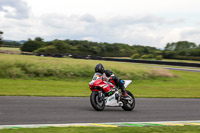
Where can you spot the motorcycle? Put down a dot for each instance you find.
(107, 94)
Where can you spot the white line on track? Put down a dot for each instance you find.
(111, 124)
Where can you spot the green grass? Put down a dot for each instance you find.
(185, 86)
(14, 50)
(164, 129)
(29, 67)
(10, 49)
(18, 87)
(22, 75)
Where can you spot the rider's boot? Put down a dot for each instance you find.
(124, 93)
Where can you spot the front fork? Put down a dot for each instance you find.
(101, 96)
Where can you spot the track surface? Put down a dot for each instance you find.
(46, 110)
(181, 69)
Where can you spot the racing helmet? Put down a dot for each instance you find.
(99, 68)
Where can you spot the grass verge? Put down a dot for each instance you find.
(164, 129)
(22, 75)
(185, 86)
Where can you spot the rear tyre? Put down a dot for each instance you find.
(129, 105)
(97, 101)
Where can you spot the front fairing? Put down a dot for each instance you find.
(98, 83)
(97, 79)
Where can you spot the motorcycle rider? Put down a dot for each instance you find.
(99, 68)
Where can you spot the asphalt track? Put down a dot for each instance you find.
(180, 69)
(52, 110)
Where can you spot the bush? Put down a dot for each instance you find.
(145, 56)
(135, 56)
(159, 57)
(150, 56)
(49, 49)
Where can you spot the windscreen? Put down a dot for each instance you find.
(97, 76)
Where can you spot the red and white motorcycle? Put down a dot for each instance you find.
(107, 94)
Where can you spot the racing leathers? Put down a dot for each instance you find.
(110, 77)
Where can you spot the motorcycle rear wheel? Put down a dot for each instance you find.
(98, 103)
(129, 105)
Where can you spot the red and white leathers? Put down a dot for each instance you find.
(116, 81)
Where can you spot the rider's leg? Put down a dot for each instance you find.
(120, 84)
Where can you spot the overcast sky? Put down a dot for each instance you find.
(144, 22)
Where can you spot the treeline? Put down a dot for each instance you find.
(11, 44)
(83, 47)
(182, 50)
(175, 50)
(1, 42)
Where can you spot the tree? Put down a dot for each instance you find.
(181, 50)
(84, 47)
(169, 54)
(61, 46)
(1, 42)
(39, 39)
(30, 46)
(181, 45)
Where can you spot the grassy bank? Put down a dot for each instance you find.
(165, 129)
(32, 67)
(45, 76)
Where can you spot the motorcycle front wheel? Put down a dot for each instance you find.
(97, 100)
(129, 105)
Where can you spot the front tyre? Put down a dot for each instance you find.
(129, 105)
(97, 100)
